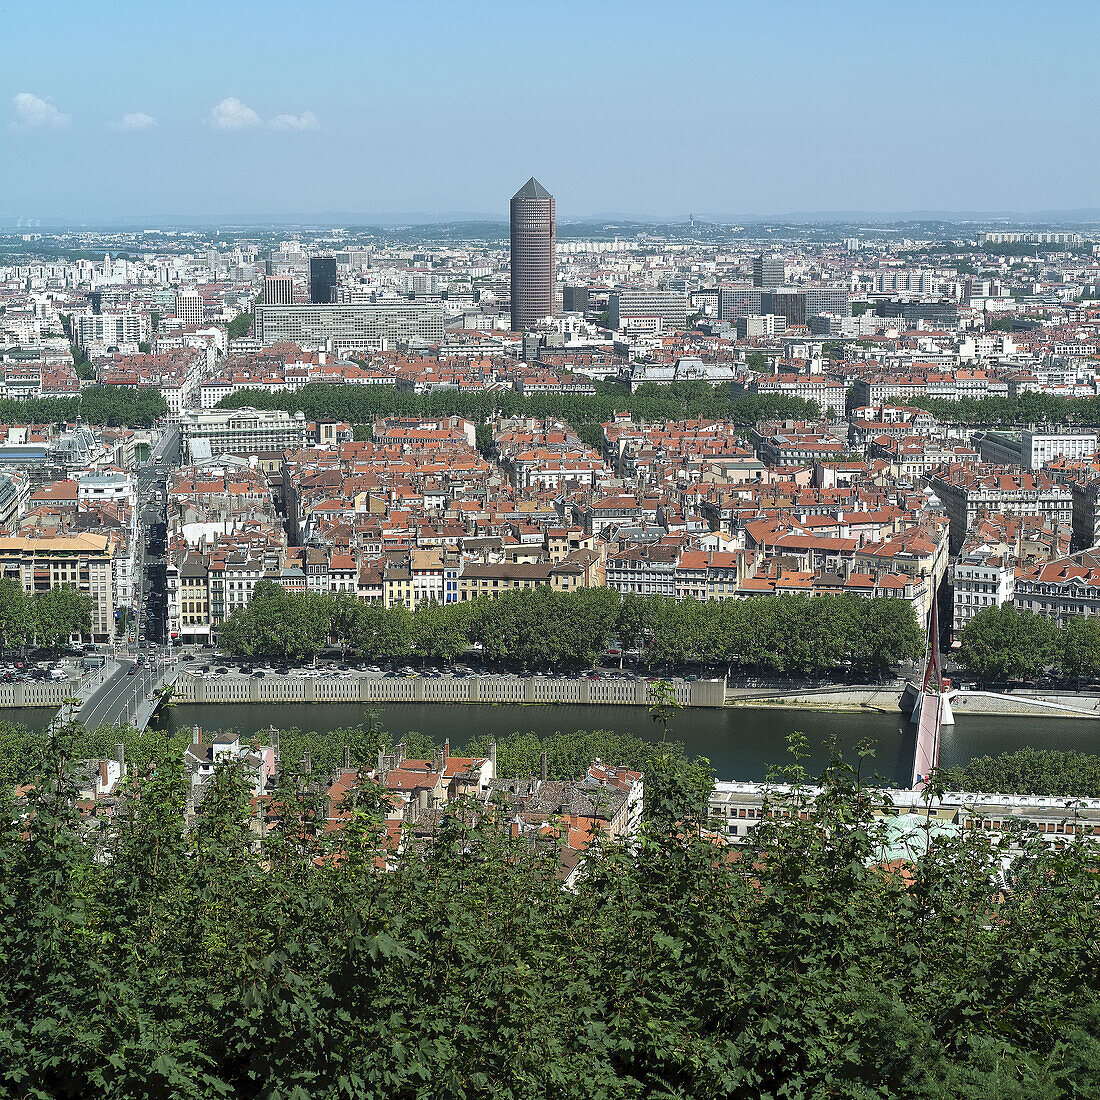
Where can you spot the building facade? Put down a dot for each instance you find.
(768, 271)
(243, 431)
(190, 307)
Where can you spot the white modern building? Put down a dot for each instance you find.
(244, 431)
(189, 307)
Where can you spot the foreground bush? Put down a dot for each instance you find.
(143, 962)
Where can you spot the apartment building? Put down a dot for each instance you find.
(627, 306)
(739, 807)
(829, 394)
(494, 578)
(970, 491)
(1061, 589)
(982, 579)
(1033, 450)
(83, 561)
(100, 331)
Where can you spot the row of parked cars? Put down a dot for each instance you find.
(26, 672)
(221, 665)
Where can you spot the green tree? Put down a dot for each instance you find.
(1079, 649)
(241, 325)
(1029, 771)
(1004, 643)
(440, 632)
(17, 621)
(59, 613)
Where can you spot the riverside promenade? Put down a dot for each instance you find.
(887, 698)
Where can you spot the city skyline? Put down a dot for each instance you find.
(726, 111)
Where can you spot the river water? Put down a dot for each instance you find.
(740, 742)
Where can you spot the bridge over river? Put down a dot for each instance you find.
(128, 695)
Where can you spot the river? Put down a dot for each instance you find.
(740, 742)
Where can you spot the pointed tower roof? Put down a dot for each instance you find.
(532, 189)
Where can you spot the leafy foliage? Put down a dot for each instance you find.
(651, 401)
(143, 961)
(539, 627)
(1007, 643)
(47, 618)
(113, 406)
(1030, 771)
(1027, 408)
(241, 325)
(568, 754)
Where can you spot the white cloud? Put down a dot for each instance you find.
(135, 120)
(307, 120)
(34, 113)
(232, 114)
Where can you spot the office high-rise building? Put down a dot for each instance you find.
(768, 271)
(785, 302)
(827, 299)
(278, 290)
(738, 301)
(370, 325)
(631, 306)
(533, 255)
(574, 299)
(322, 279)
(189, 307)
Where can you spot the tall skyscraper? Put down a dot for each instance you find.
(533, 255)
(322, 279)
(768, 271)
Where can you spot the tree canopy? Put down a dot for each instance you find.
(1006, 643)
(1030, 771)
(1027, 408)
(241, 325)
(113, 406)
(45, 618)
(539, 627)
(140, 960)
(651, 401)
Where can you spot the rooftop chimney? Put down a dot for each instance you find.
(493, 757)
(120, 755)
(543, 767)
(196, 736)
(307, 764)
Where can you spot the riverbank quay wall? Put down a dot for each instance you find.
(52, 694)
(514, 690)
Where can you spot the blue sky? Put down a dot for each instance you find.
(726, 109)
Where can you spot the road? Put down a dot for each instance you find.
(118, 700)
(150, 597)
